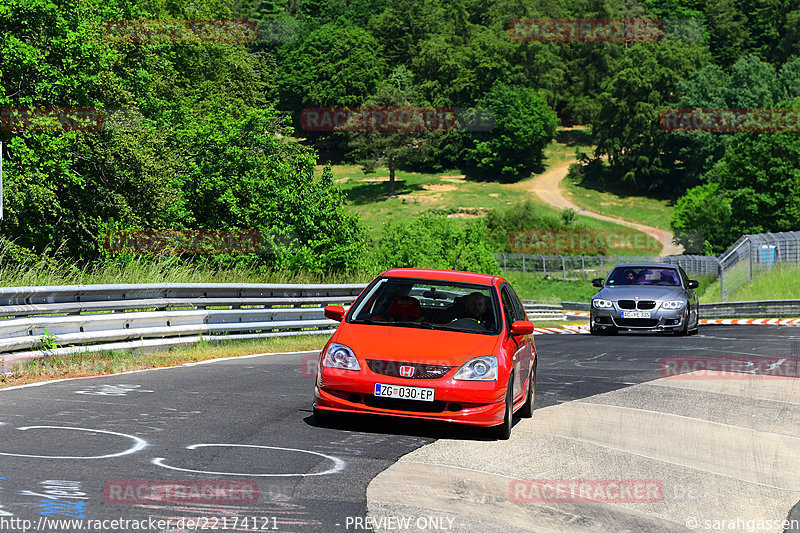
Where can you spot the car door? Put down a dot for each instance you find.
(529, 348)
(694, 301)
(518, 345)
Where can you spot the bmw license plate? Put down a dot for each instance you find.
(636, 314)
(403, 392)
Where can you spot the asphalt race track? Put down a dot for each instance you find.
(75, 449)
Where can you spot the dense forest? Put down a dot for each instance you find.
(219, 142)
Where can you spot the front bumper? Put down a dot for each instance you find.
(659, 320)
(465, 402)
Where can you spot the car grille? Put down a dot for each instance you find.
(644, 305)
(421, 371)
(404, 405)
(637, 322)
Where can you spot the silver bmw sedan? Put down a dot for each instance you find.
(645, 296)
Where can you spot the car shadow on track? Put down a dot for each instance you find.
(401, 426)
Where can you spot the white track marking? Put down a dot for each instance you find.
(139, 444)
(338, 464)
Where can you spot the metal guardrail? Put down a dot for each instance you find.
(543, 311)
(157, 316)
(58, 320)
(754, 309)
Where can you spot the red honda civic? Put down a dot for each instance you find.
(433, 345)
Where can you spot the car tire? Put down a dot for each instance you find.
(684, 331)
(610, 331)
(526, 411)
(503, 431)
(594, 331)
(696, 327)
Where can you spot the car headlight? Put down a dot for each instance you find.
(340, 356)
(479, 369)
(600, 303)
(672, 304)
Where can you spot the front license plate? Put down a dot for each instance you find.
(403, 392)
(636, 314)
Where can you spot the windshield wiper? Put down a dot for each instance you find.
(425, 325)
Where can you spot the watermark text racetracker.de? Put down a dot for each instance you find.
(61, 119)
(576, 242)
(588, 30)
(586, 491)
(730, 120)
(388, 119)
(693, 368)
(218, 492)
(193, 242)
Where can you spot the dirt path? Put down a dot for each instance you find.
(547, 186)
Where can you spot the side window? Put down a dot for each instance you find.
(508, 307)
(520, 308)
(684, 277)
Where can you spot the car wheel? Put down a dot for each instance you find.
(610, 331)
(594, 331)
(696, 327)
(526, 411)
(503, 431)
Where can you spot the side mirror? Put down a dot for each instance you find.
(692, 284)
(334, 312)
(521, 327)
(597, 282)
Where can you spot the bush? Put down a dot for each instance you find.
(522, 216)
(524, 124)
(435, 241)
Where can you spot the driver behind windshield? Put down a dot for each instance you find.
(475, 306)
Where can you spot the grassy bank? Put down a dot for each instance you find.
(620, 204)
(163, 269)
(536, 287)
(453, 194)
(782, 282)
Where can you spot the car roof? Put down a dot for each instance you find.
(442, 275)
(639, 265)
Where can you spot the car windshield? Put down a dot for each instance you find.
(428, 304)
(644, 276)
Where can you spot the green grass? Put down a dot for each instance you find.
(607, 200)
(620, 204)
(112, 362)
(451, 193)
(536, 287)
(162, 269)
(780, 283)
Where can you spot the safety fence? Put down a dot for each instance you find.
(747, 257)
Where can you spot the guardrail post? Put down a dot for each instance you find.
(504, 262)
(583, 268)
(563, 268)
(523, 263)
